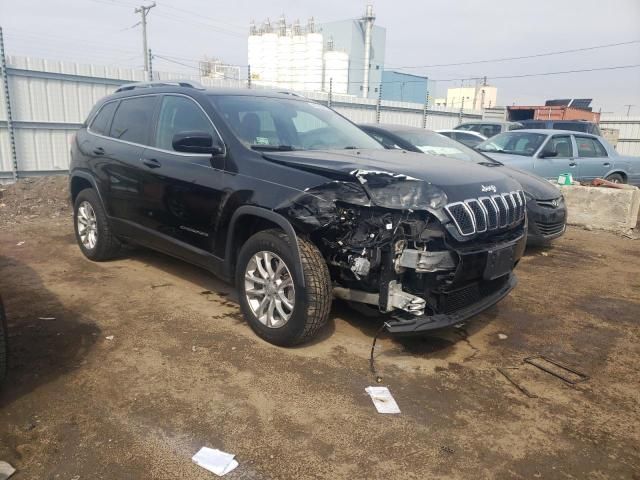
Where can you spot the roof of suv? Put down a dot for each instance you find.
(175, 87)
(551, 131)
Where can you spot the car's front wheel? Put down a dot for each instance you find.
(93, 234)
(276, 305)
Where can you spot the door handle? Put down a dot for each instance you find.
(98, 151)
(150, 162)
(606, 164)
(572, 162)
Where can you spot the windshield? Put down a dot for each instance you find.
(516, 143)
(268, 123)
(437, 144)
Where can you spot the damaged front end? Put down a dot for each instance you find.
(392, 241)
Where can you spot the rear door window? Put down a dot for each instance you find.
(133, 119)
(560, 144)
(102, 120)
(590, 147)
(180, 114)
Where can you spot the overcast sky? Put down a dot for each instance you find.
(419, 32)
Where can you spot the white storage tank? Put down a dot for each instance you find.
(313, 62)
(255, 56)
(336, 67)
(269, 70)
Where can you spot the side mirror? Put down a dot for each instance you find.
(549, 154)
(195, 142)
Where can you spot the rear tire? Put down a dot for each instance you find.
(4, 348)
(615, 178)
(276, 306)
(93, 234)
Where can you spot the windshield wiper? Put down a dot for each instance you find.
(273, 148)
(490, 164)
(350, 147)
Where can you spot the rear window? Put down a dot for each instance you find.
(133, 119)
(590, 147)
(102, 120)
(486, 129)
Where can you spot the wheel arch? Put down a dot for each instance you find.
(263, 219)
(617, 171)
(79, 181)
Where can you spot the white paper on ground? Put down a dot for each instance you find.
(6, 470)
(215, 460)
(382, 399)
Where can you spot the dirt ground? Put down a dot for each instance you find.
(124, 369)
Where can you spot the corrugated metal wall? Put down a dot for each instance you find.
(629, 128)
(50, 99)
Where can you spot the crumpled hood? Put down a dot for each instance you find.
(537, 187)
(459, 179)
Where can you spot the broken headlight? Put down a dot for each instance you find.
(401, 191)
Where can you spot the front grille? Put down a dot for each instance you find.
(550, 228)
(555, 203)
(451, 302)
(487, 213)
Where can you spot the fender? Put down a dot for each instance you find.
(273, 217)
(91, 179)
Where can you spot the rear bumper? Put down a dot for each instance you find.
(427, 323)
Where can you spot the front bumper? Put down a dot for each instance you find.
(545, 223)
(427, 323)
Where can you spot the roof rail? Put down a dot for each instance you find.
(293, 94)
(160, 83)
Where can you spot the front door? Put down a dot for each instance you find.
(593, 158)
(556, 157)
(184, 192)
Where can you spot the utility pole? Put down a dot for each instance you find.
(150, 66)
(629, 107)
(329, 100)
(144, 11)
(425, 111)
(249, 77)
(379, 104)
(7, 104)
(461, 110)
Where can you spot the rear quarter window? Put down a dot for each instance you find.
(102, 120)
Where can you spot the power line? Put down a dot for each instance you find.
(536, 55)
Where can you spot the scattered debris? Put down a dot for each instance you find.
(19, 244)
(160, 285)
(446, 449)
(46, 318)
(215, 461)
(372, 366)
(588, 227)
(502, 336)
(601, 182)
(544, 254)
(547, 365)
(516, 384)
(383, 400)
(193, 348)
(109, 337)
(6, 470)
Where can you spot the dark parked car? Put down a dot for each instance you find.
(573, 125)
(296, 204)
(548, 153)
(488, 128)
(546, 209)
(3, 342)
(467, 137)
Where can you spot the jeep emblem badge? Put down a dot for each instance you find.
(489, 188)
(554, 203)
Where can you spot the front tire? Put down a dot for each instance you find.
(93, 234)
(276, 306)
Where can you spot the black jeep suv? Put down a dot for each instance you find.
(296, 204)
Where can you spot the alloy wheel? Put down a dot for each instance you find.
(269, 289)
(87, 225)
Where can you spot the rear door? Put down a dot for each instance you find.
(593, 159)
(182, 191)
(563, 162)
(129, 134)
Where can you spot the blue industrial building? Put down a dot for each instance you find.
(404, 87)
